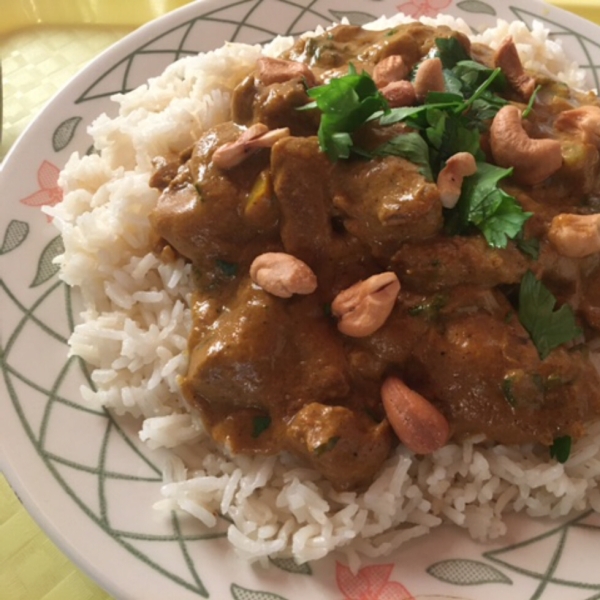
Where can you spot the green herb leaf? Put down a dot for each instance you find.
(531, 102)
(547, 327)
(228, 269)
(529, 247)
(410, 146)
(561, 448)
(346, 103)
(260, 424)
(494, 212)
(327, 446)
(450, 51)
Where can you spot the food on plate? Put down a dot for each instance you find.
(356, 275)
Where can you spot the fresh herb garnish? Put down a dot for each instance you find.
(346, 103)
(410, 146)
(450, 51)
(328, 446)
(484, 204)
(531, 102)
(446, 124)
(260, 424)
(228, 269)
(530, 247)
(547, 327)
(561, 448)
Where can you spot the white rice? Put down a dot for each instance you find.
(134, 331)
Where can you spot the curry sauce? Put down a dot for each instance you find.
(270, 374)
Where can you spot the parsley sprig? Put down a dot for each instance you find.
(487, 206)
(447, 123)
(345, 103)
(547, 327)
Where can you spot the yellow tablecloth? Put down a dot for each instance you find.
(31, 566)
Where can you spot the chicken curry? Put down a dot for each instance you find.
(419, 268)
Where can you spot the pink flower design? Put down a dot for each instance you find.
(370, 583)
(49, 193)
(423, 8)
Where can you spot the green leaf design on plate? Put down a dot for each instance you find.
(354, 16)
(291, 566)
(476, 6)
(240, 593)
(64, 133)
(466, 572)
(46, 268)
(14, 236)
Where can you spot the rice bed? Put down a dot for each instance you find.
(134, 331)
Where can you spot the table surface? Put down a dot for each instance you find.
(36, 61)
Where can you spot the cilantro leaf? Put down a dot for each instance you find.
(472, 74)
(494, 212)
(415, 116)
(450, 51)
(547, 327)
(530, 247)
(561, 448)
(260, 424)
(410, 146)
(346, 103)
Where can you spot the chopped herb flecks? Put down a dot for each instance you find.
(260, 424)
(328, 446)
(561, 448)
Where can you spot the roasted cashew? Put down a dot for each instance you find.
(507, 58)
(282, 274)
(364, 307)
(419, 425)
(584, 120)
(276, 70)
(450, 178)
(255, 137)
(391, 68)
(575, 236)
(429, 78)
(399, 93)
(533, 160)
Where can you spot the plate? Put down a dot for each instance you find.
(82, 473)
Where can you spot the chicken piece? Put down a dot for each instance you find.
(276, 105)
(268, 353)
(300, 174)
(201, 212)
(384, 202)
(485, 375)
(444, 262)
(328, 437)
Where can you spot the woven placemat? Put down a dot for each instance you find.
(31, 566)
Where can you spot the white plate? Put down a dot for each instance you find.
(82, 474)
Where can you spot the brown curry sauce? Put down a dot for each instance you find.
(269, 374)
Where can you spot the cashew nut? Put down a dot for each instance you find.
(282, 274)
(533, 160)
(584, 120)
(257, 136)
(364, 307)
(419, 425)
(507, 58)
(399, 93)
(450, 178)
(429, 78)
(392, 68)
(575, 236)
(276, 70)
